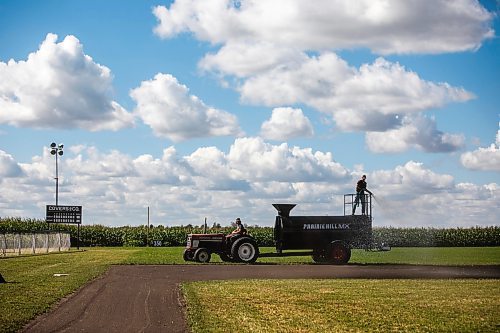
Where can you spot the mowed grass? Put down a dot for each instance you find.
(430, 256)
(344, 306)
(32, 288)
(413, 256)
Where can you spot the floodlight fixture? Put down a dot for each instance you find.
(57, 150)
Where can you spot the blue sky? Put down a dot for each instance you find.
(221, 108)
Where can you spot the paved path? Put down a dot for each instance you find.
(146, 298)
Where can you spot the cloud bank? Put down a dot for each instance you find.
(295, 44)
(115, 188)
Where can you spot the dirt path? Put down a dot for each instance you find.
(146, 298)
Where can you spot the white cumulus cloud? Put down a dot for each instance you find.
(242, 59)
(167, 107)
(101, 165)
(414, 195)
(286, 123)
(486, 159)
(256, 160)
(409, 181)
(212, 170)
(8, 166)
(418, 132)
(373, 97)
(384, 26)
(59, 86)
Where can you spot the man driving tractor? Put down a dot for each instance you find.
(240, 229)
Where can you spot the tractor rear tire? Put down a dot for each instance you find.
(202, 255)
(245, 250)
(224, 257)
(339, 253)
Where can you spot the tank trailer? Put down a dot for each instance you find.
(329, 239)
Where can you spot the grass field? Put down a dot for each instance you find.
(412, 256)
(32, 288)
(344, 306)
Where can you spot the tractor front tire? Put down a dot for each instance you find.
(188, 255)
(245, 250)
(202, 255)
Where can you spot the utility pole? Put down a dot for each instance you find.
(147, 231)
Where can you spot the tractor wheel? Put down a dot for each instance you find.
(245, 250)
(202, 255)
(320, 256)
(339, 253)
(188, 255)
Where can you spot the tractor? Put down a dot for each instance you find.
(230, 248)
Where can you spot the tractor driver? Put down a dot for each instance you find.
(240, 229)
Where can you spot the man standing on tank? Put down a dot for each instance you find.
(360, 195)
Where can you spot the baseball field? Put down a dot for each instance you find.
(406, 289)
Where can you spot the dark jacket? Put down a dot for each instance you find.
(361, 185)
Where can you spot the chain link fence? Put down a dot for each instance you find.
(18, 244)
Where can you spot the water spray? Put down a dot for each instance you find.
(387, 208)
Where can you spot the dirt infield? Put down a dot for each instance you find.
(146, 298)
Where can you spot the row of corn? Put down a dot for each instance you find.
(98, 235)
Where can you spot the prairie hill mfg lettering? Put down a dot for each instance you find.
(326, 226)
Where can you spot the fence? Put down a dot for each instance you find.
(17, 244)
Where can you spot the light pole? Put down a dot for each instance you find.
(57, 150)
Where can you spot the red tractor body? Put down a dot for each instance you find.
(233, 248)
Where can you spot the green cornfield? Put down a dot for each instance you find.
(98, 235)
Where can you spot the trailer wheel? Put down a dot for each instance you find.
(202, 255)
(245, 250)
(339, 253)
(320, 256)
(188, 255)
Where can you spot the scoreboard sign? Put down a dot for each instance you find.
(63, 214)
